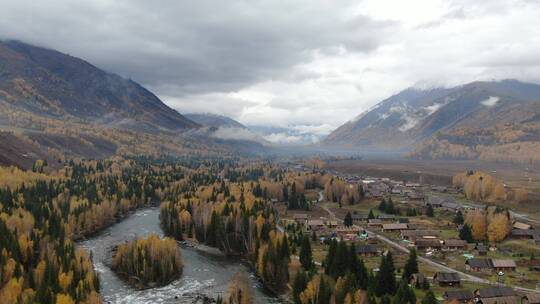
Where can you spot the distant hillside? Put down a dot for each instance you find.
(48, 83)
(15, 150)
(213, 120)
(481, 120)
(54, 106)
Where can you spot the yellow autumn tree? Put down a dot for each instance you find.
(11, 292)
(498, 228)
(360, 297)
(64, 279)
(310, 293)
(239, 291)
(478, 223)
(480, 186)
(64, 299)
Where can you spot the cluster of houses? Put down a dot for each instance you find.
(331, 228)
(382, 187)
(444, 203)
(428, 240)
(421, 239)
(491, 295)
(486, 265)
(488, 295)
(525, 231)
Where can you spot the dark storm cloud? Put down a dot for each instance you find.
(181, 47)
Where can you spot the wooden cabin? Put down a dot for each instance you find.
(447, 278)
(461, 296)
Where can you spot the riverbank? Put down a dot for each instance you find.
(207, 271)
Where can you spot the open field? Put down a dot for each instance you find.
(441, 172)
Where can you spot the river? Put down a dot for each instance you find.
(204, 272)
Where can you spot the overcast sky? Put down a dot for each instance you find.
(312, 64)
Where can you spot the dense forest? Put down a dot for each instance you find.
(235, 212)
(225, 209)
(344, 279)
(229, 204)
(42, 214)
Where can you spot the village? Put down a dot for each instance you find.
(397, 216)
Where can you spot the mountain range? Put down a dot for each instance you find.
(492, 120)
(52, 84)
(214, 120)
(53, 106)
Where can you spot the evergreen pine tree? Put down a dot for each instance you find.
(404, 294)
(323, 297)
(385, 299)
(458, 218)
(385, 278)
(389, 208)
(348, 220)
(330, 256)
(429, 298)
(358, 268)
(306, 256)
(466, 234)
(429, 211)
(411, 266)
(382, 205)
(299, 285)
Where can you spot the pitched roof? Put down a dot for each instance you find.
(525, 232)
(352, 228)
(359, 216)
(455, 243)
(315, 223)
(395, 226)
(446, 277)
(428, 243)
(459, 295)
(533, 298)
(386, 216)
(480, 247)
(451, 205)
(504, 263)
(501, 300)
(492, 292)
(419, 233)
(415, 195)
(439, 200)
(367, 249)
(519, 225)
(480, 263)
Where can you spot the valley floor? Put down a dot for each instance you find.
(440, 172)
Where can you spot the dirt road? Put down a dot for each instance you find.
(464, 276)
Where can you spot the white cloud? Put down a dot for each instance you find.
(433, 108)
(490, 102)
(236, 134)
(410, 122)
(309, 63)
(284, 138)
